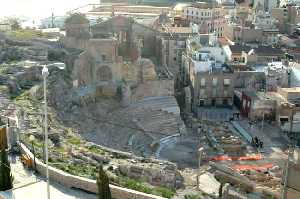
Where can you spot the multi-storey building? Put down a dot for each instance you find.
(210, 17)
(288, 17)
(268, 25)
(260, 28)
(211, 82)
(172, 42)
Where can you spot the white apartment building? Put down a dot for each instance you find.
(209, 16)
(210, 81)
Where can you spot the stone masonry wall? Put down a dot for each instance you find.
(84, 183)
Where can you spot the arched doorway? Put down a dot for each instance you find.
(104, 73)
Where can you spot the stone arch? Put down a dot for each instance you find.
(104, 73)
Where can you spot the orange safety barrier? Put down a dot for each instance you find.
(26, 160)
(242, 158)
(252, 167)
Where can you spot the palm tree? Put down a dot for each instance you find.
(6, 178)
(103, 185)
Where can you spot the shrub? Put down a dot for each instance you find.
(56, 55)
(191, 196)
(6, 179)
(103, 185)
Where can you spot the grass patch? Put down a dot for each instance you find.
(142, 187)
(95, 149)
(74, 141)
(4, 69)
(27, 34)
(86, 171)
(59, 150)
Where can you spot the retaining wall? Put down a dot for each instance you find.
(69, 180)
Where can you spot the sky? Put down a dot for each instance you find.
(38, 9)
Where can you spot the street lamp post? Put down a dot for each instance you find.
(200, 151)
(262, 122)
(290, 155)
(45, 74)
(32, 138)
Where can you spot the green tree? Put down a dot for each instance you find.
(103, 185)
(6, 178)
(14, 22)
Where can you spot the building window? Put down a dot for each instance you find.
(227, 82)
(215, 81)
(201, 102)
(214, 92)
(225, 102)
(226, 93)
(103, 57)
(213, 102)
(201, 93)
(174, 58)
(202, 82)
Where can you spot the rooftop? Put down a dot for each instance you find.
(177, 30)
(239, 48)
(260, 50)
(276, 96)
(223, 41)
(268, 50)
(181, 6)
(291, 90)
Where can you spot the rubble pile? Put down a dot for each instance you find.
(239, 168)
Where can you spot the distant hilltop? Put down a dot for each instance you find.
(148, 2)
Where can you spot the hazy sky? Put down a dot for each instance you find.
(38, 9)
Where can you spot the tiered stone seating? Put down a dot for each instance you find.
(153, 114)
(167, 103)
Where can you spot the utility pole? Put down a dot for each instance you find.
(262, 122)
(52, 20)
(200, 150)
(290, 155)
(45, 73)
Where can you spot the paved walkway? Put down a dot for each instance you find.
(29, 186)
(269, 134)
(38, 190)
(275, 143)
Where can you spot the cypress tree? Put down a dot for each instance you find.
(103, 185)
(6, 179)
